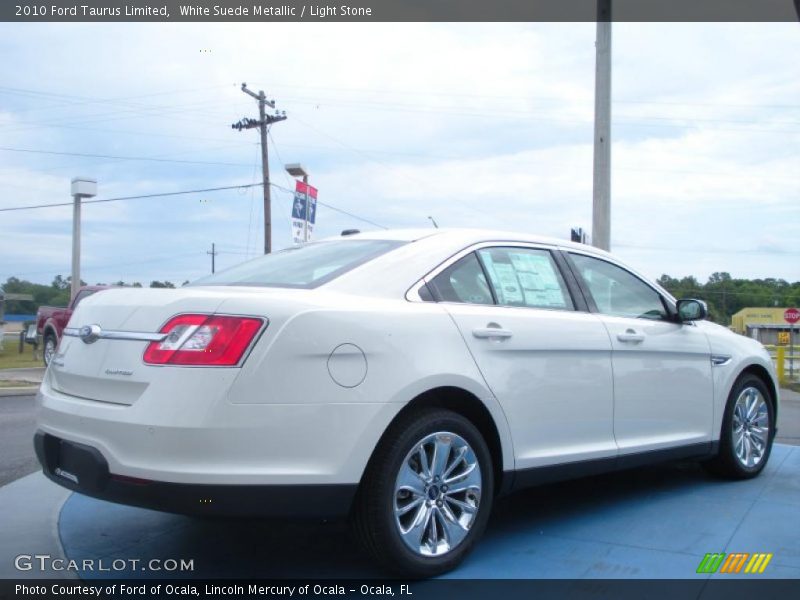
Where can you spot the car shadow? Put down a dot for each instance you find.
(267, 548)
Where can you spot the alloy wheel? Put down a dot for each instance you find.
(437, 494)
(751, 427)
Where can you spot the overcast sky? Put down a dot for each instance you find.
(476, 125)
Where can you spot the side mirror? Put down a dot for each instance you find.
(690, 309)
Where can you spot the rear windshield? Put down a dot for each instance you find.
(305, 266)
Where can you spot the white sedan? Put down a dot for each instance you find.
(403, 378)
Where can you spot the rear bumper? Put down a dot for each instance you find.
(83, 469)
(203, 439)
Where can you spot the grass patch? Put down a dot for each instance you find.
(13, 383)
(10, 358)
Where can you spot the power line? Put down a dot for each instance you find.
(159, 195)
(676, 122)
(333, 208)
(375, 161)
(174, 111)
(148, 109)
(186, 192)
(505, 112)
(73, 100)
(361, 151)
(427, 92)
(114, 157)
(144, 133)
(351, 215)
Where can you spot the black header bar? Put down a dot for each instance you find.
(397, 10)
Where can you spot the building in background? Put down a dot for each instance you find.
(762, 324)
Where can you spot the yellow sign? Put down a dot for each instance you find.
(783, 338)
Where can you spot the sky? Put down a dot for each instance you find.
(475, 125)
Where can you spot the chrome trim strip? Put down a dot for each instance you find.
(720, 360)
(132, 336)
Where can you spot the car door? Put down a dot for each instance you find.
(663, 391)
(547, 363)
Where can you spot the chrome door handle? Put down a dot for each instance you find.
(631, 335)
(491, 333)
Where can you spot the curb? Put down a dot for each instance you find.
(18, 391)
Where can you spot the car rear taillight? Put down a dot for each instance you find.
(204, 340)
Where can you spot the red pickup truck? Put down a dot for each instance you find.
(51, 320)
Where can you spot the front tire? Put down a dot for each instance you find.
(427, 494)
(748, 429)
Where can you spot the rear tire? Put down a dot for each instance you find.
(748, 429)
(426, 495)
(49, 345)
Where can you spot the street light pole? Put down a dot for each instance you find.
(76, 246)
(82, 187)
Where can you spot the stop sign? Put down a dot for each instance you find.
(791, 315)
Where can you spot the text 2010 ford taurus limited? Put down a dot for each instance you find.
(404, 378)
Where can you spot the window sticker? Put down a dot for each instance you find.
(525, 278)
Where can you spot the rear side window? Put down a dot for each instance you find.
(463, 281)
(306, 266)
(82, 295)
(526, 277)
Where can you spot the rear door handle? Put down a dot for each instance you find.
(631, 336)
(491, 332)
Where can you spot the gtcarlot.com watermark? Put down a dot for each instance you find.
(45, 562)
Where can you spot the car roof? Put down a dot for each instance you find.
(393, 273)
(466, 236)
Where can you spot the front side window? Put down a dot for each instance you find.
(305, 266)
(525, 277)
(463, 281)
(618, 292)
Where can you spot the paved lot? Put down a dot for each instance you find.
(789, 419)
(645, 523)
(16, 438)
(655, 522)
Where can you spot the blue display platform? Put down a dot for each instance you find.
(654, 523)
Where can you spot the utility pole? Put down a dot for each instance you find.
(601, 195)
(263, 122)
(213, 254)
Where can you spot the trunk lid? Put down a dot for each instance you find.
(113, 370)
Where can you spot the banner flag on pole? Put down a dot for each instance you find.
(304, 212)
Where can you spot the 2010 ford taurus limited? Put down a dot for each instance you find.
(404, 378)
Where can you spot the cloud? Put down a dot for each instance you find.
(475, 124)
